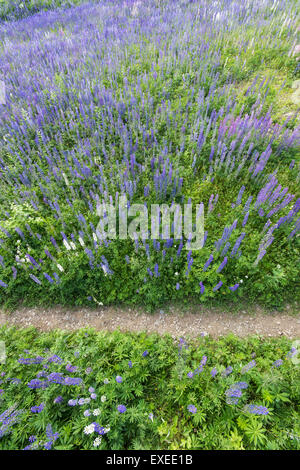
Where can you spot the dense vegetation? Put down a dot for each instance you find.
(86, 390)
(165, 101)
(11, 10)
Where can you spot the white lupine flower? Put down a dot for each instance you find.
(103, 398)
(96, 412)
(89, 429)
(64, 176)
(81, 241)
(95, 300)
(60, 267)
(97, 441)
(95, 237)
(106, 381)
(66, 244)
(107, 429)
(104, 269)
(73, 245)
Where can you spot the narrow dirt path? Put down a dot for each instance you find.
(192, 322)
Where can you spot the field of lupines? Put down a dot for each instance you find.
(161, 102)
(89, 390)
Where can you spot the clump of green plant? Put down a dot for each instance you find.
(89, 389)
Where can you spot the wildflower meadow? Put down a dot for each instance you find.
(97, 390)
(149, 154)
(161, 102)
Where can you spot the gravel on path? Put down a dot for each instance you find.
(177, 323)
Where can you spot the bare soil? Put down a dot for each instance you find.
(174, 321)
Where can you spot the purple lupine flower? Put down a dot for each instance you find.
(56, 377)
(210, 259)
(121, 408)
(234, 288)
(233, 392)
(35, 279)
(277, 363)
(38, 408)
(49, 278)
(248, 366)
(224, 262)
(119, 379)
(99, 429)
(217, 286)
(36, 383)
(192, 409)
(52, 436)
(198, 370)
(72, 402)
(232, 400)
(72, 381)
(241, 385)
(145, 353)
(227, 371)
(204, 360)
(293, 352)
(71, 368)
(56, 359)
(157, 274)
(58, 399)
(256, 409)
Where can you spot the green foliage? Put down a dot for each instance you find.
(155, 389)
(17, 9)
(237, 57)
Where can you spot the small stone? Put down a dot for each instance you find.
(296, 50)
(296, 84)
(295, 97)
